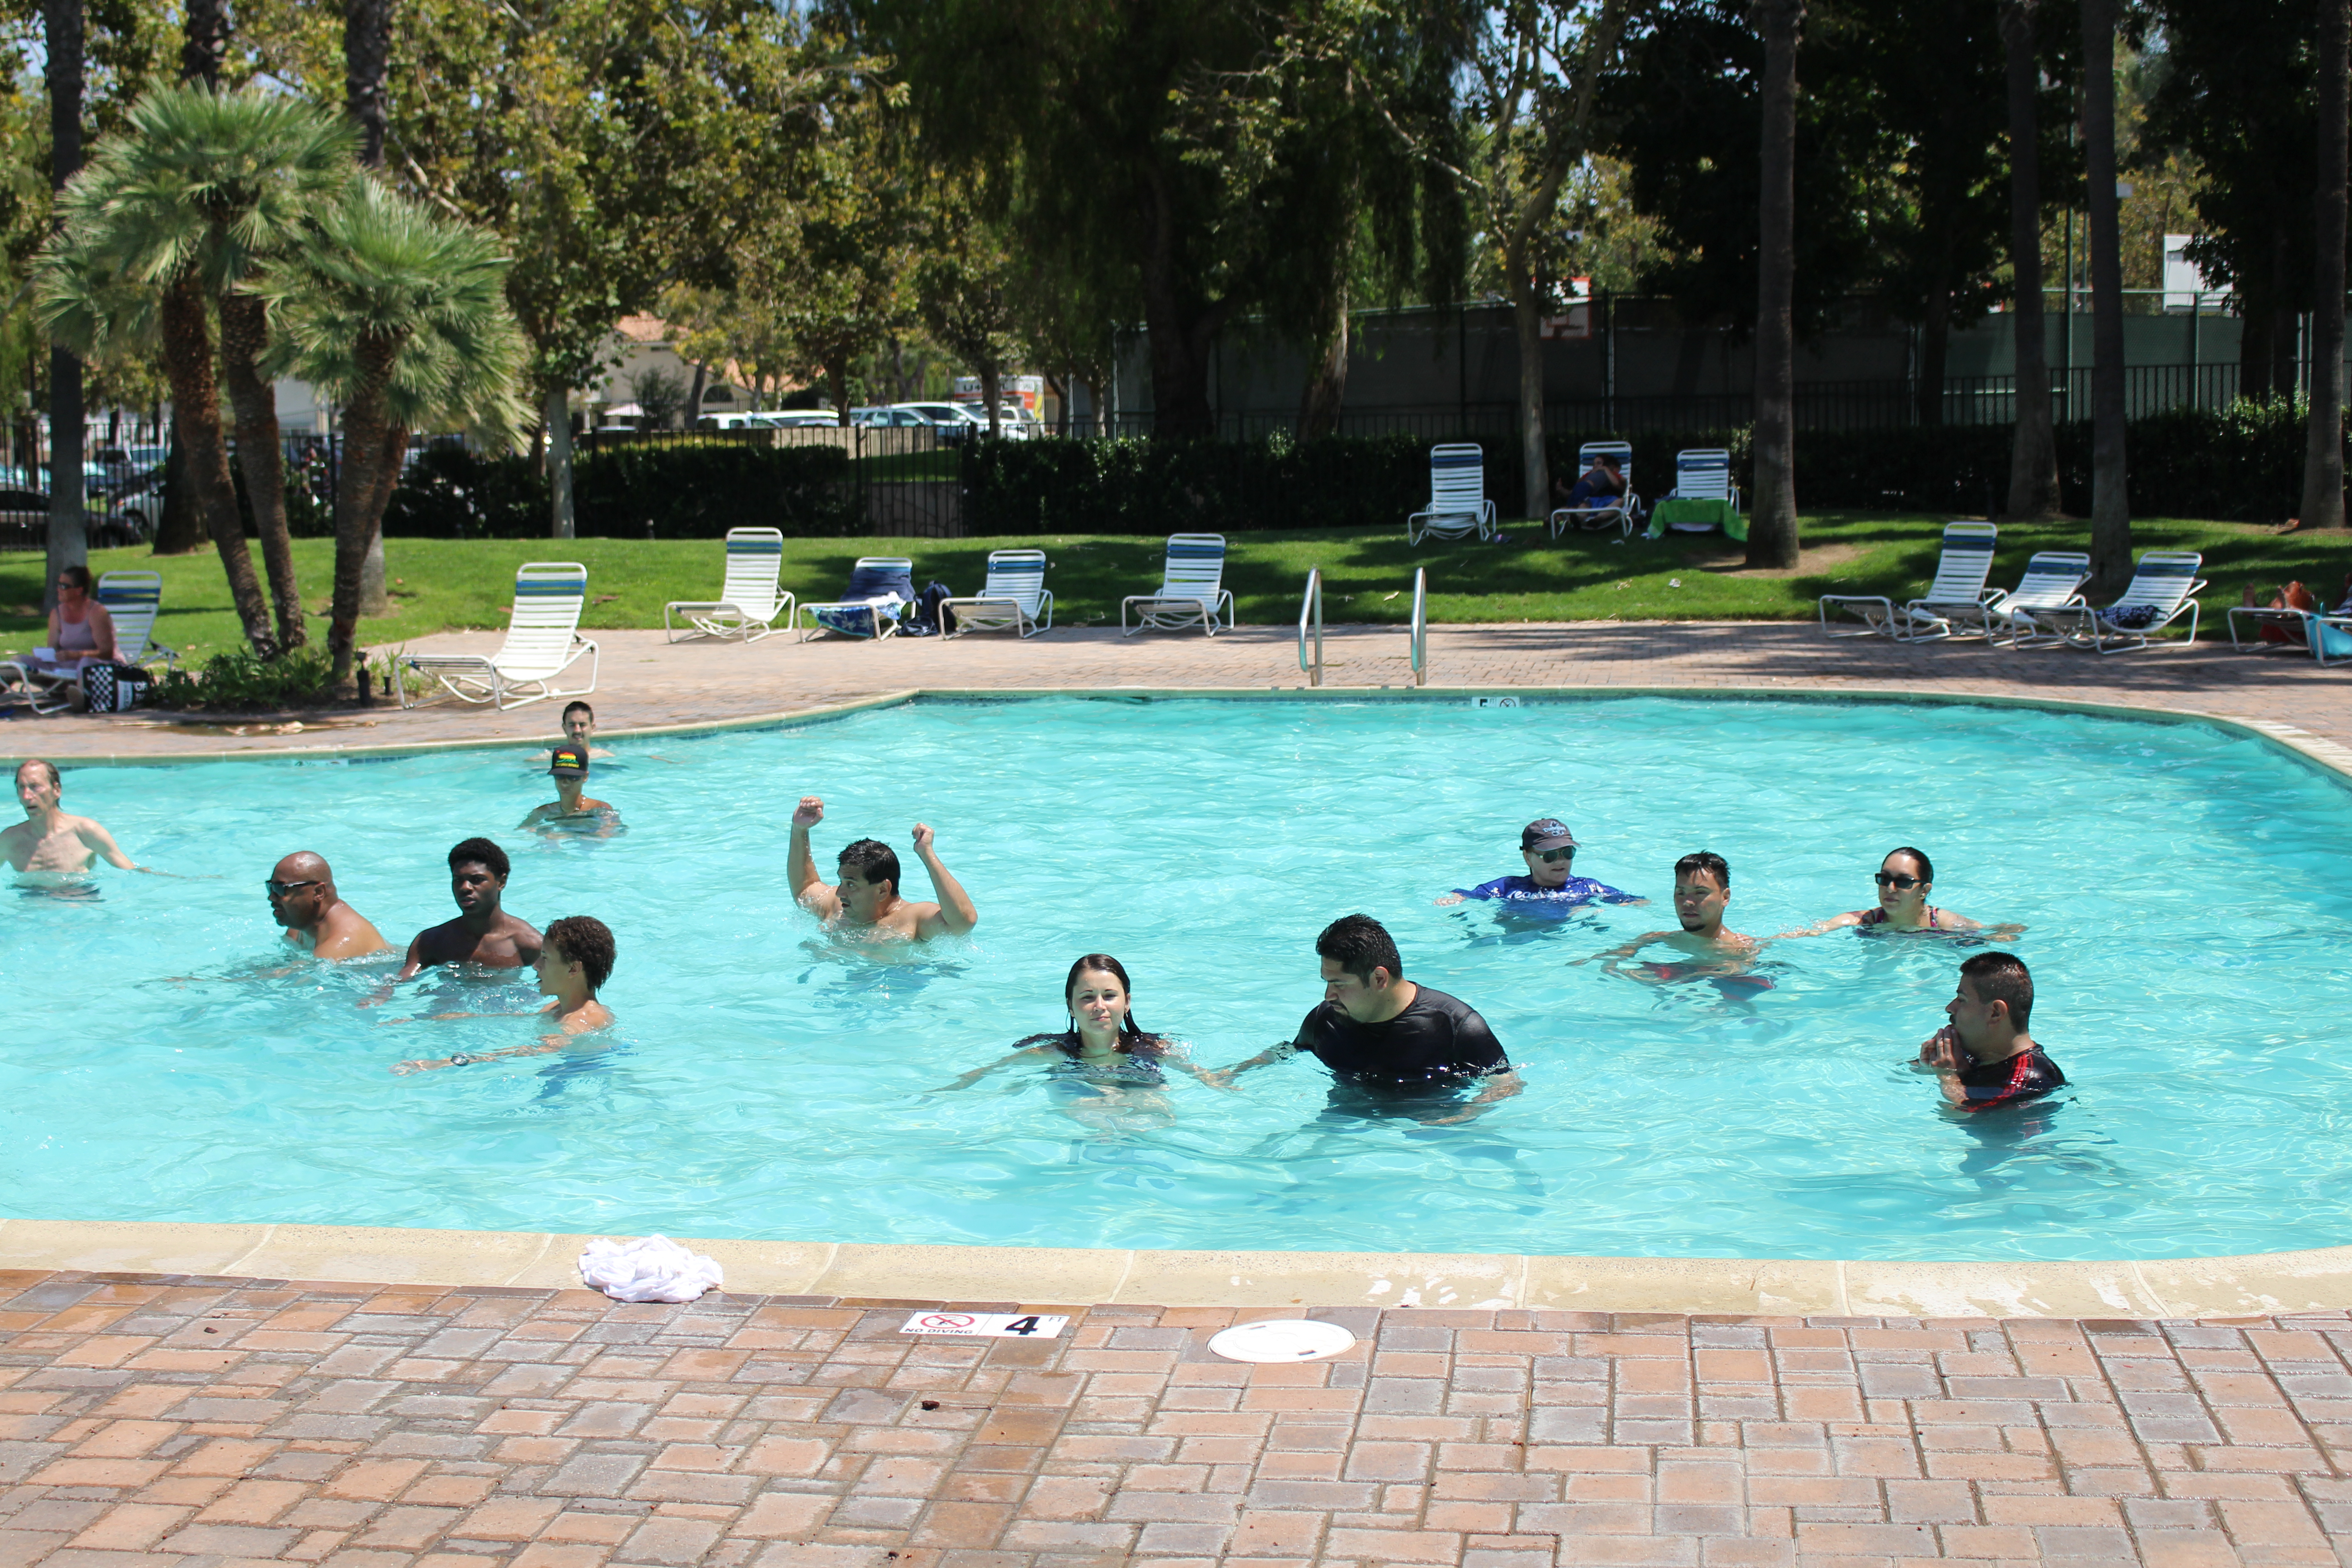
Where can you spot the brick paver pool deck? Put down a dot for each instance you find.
(159, 1420)
(201, 1422)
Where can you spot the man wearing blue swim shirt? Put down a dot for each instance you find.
(1550, 890)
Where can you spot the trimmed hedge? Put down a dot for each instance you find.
(2242, 464)
(665, 492)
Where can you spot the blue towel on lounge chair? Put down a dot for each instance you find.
(867, 582)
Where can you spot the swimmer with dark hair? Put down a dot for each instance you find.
(1702, 890)
(483, 933)
(1984, 1059)
(1904, 880)
(579, 730)
(866, 901)
(1104, 1055)
(575, 959)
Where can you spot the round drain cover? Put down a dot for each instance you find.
(1282, 1339)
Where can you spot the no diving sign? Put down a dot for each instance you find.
(987, 1325)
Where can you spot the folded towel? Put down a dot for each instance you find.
(654, 1270)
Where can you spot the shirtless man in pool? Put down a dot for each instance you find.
(303, 900)
(1702, 890)
(483, 933)
(51, 842)
(867, 903)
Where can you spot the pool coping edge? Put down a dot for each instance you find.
(2257, 1285)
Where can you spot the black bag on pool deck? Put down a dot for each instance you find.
(114, 688)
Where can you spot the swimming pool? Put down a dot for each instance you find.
(2182, 886)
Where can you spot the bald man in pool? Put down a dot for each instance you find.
(303, 900)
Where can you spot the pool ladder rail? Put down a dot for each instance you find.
(1310, 612)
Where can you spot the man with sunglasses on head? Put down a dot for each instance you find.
(303, 900)
(1550, 890)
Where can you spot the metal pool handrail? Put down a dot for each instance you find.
(1421, 626)
(1312, 605)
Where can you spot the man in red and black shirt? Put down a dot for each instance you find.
(1984, 1059)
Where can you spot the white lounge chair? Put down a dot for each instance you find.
(1014, 598)
(1192, 590)
(880, 589)
(1959, 588)
(543, 641)
(1457, 495)
(132, 600)
(748, 603)
(2160, 588)
(1618, 509)
(2054, 581)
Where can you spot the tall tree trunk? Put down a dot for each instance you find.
(204, 41)
(2033, 451)
(562, 524)
(694, 395)
(68, 526)
(836, 378)
(179, 527)
(1327, 382)
(1182, 330)
(2323, 458)
(367, 60)
(1772, 527)
(1098, 412)
(991, 384)
(375, 599)
(1935, 342)
(1527, 331)
(260, 452)
(196, 413)
(2111, 562)
(357, 486)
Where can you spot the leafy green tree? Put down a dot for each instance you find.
(1772, 538)
(400, 313)
(2111, 564)
(2237, 95)
(2034, 450)
(965, 294)
(64, 34)
(186, 209)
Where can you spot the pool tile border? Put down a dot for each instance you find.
(2257, 1284)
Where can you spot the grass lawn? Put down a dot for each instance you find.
(1368, 574)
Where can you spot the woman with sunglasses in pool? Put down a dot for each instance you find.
(1103, 1063)
(1904, 880)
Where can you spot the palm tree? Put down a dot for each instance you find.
(2111, 566)
(2033, 455)
(402, 313)
(2323, 462)
(196, 197)
(1773, 530)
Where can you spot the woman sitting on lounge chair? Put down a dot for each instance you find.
(80, 633)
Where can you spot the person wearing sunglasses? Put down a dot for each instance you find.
(303, 900)
(1904, 880)
(1550, 890)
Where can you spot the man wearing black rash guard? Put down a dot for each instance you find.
(1984, 1059)
(1389, 1040)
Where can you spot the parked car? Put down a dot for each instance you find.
(952, 421)
(887, 418)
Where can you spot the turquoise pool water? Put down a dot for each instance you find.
(2184, 889)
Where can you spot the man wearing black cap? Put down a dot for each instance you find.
(1549, 891)
(568, 766)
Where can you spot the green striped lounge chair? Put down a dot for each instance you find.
(1192, 590)
(1014, 598)
(1959, 590)
(543, 643)
(748, 603)
(2160, 593)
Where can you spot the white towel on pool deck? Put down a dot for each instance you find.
(654, 1270)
